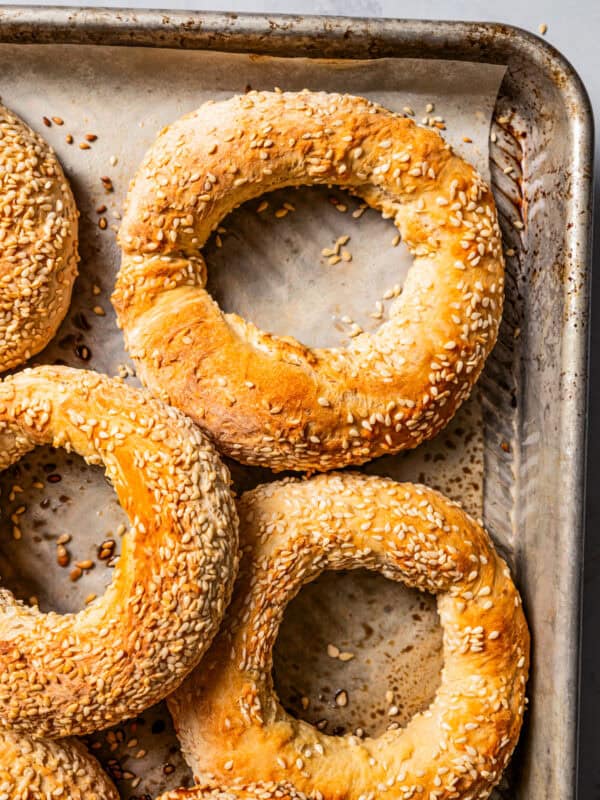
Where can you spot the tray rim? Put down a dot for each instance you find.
(357, 37)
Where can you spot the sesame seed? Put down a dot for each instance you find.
(341, 698)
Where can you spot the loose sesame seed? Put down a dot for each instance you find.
(341, 698)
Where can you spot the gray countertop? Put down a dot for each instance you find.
(574, 28)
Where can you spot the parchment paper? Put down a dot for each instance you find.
(269, 267)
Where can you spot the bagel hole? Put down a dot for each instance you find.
(46, 496)
(395, 639)
(271, 270)
(146, 748)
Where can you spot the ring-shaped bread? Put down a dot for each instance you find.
(233, 729)
(63, 674)
(43, 769)
(269, 400)
(38, 242)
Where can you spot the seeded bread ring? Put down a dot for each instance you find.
(76, 673)
(38, 242)
(39, 769)
(257, 791)
(268, 400)
(227, 716)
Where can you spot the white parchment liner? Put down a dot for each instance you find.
(269, 268)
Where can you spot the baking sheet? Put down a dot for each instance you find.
(269, 267)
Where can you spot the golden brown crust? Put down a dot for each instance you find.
(75, 673)
(41, 769)
(233, 730)
(269, 400)
(256, 791)
(38, 242)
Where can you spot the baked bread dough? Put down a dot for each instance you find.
(38, 242)
(41, 769)
(268, 400)
(231, 726)
(258, 791)
(77, 673)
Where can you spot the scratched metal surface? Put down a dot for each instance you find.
(532, 394)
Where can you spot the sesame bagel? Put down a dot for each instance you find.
(234, 731)
(38, 242)
(257, 791)
(41, 769)
(268, 400)
(76, 673)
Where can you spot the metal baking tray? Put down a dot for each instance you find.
(535, 384)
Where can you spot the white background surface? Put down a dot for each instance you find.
(574, 28)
